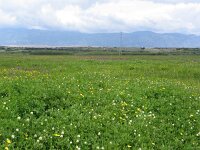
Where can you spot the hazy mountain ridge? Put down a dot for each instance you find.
(67, 38)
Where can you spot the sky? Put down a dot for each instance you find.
(97, 16)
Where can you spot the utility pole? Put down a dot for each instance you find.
(121, 43)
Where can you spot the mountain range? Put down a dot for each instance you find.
(33, 37)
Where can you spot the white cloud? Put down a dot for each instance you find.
(103, 15)
(6, 19)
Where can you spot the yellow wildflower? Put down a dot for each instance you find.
(6, 148)
(8, 141)
(124, 104)
(56, 135)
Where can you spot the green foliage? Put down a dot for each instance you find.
(99, 102)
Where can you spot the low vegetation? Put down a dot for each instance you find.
(99, 102)
(100, 51)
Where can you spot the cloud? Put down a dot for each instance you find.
(103, 15)
(6, 19)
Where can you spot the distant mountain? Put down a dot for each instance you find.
(20, 37)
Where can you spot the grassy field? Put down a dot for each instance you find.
(99, 102)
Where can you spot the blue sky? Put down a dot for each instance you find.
(181, 16)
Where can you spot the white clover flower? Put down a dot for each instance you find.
(17, 130)
(78, 136)
(31, 113)
(198, 134)
(18, 118)
(40, 138)
(13, 136)
(78, 148)
(62, 132)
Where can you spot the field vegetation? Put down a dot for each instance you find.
(100, 51)
(99, 102)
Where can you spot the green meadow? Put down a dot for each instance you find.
(64, 102)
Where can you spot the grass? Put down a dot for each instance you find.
(99, 102)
